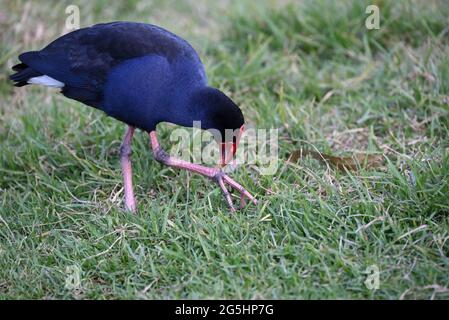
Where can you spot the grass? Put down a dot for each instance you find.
(310, 69)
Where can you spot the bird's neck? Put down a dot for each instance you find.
(195, 106)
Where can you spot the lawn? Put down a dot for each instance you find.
(312, 70)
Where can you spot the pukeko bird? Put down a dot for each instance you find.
(142, 75)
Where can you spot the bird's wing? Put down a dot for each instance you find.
(84, 58)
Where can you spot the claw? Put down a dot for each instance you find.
(226, 193)
(222, 178)
(237, 186)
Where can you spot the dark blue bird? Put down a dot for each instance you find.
(141, 75)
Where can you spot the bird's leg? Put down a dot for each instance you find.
(214, 173)
(125, 161)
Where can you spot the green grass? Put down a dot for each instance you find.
(310, 69)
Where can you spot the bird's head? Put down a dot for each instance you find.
(217, 111)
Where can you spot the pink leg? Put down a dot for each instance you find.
(125, 161)
(213, 173)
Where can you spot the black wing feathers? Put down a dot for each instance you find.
(23, 74)
(82, 59)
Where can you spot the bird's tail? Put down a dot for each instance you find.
(23, 74)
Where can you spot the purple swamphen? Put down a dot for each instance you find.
(141, 75)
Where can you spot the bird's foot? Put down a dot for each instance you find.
(214, 173)
(224, 179)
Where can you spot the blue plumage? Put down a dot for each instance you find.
(137, 73)
(141, 75)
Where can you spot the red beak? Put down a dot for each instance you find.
(228, 149)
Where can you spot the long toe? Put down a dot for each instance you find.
(222, 180)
